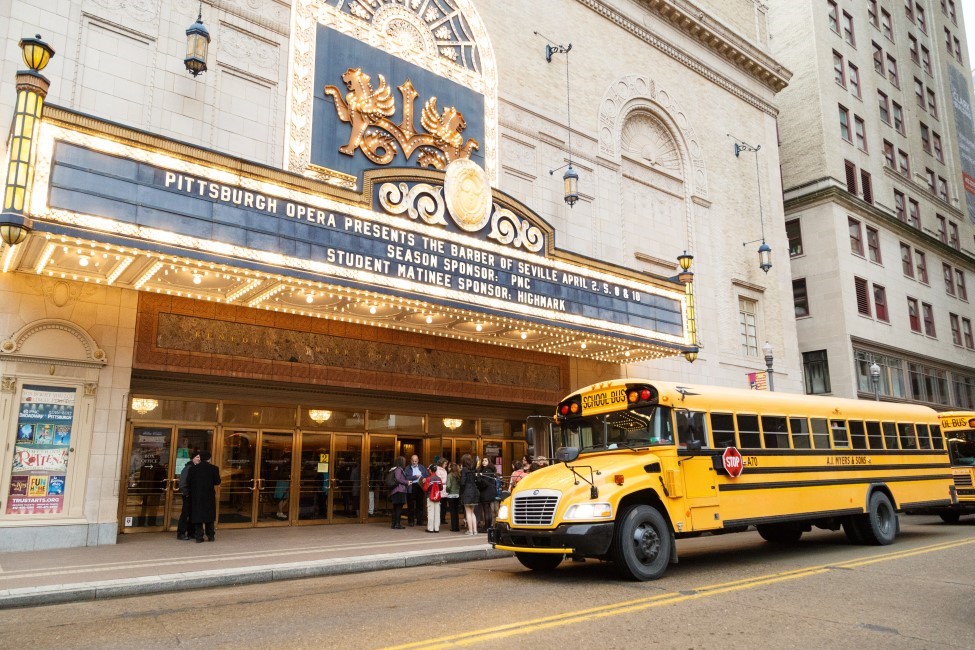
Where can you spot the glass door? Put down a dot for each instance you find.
(274, 479)
(381, 456)
(347, 477)
(313, 478)
(238, 472)
(188, 441)
(147, 493)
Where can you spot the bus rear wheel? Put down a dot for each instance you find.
(780, 533)
(541, 562)
(950, 517)
(643, 545)
(879, 525)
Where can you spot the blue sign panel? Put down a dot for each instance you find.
(360, 248)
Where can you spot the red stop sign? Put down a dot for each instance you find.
(731, 458)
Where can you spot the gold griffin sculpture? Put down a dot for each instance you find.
(369, 110)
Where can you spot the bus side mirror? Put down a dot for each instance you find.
(530, 436)
(567, 454)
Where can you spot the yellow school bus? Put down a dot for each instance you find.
(958, 428)
(644, 463)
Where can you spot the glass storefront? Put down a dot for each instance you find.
(290, 465)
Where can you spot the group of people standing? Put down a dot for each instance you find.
(475, 487)
(197, 483)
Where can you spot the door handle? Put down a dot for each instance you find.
(253, 483)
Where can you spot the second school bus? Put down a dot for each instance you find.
(958, 429)
(644, 463)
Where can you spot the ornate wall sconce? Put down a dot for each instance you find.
(452, 423)
(319, 415)
(143, 405)
(570, 179)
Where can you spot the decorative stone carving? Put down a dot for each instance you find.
(247, 52)
(468, 195)
(8, 384)
(422, 201)
(91, 389)
(509, 228)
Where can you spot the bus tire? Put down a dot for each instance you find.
(541, 562)
(780, 533)
(879, 525)
(950, 517)
(643, 545)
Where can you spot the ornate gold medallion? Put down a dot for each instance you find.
(468, 194)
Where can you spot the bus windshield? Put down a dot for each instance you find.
(641, 427)
(961, 448)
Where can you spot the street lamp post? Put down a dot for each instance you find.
(767, 348)
(875, 380)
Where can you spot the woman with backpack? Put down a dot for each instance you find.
(397, 495)
(469, 494)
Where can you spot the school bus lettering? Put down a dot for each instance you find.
(691, 459)
(955, 422)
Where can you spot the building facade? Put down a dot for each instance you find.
(878, 166)
(348, 239)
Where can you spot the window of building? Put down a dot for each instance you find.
(851, 176)
(907, 261)
(860, 130)
(872, 13)
(949, 277)
(884, 104)
(926, 59)
(942, 189)
(800, 298)
(903, 163)
(915, 50)
(951, 11)
(856, 236)
(955, 328)
(892, 71)
(747, 326)
(900, 205)
(854, 80)
(919, 92)
(863, 296)
(889, 155)
(845, 123)
(921, 21)
(834, 16)
(913, 315)
(839, 70)
(964, 391)
(793, 231)
(960, 285)
(936, 143)
(929, 179)
(942, 229)
(873, 245)
(866, 185)
(815, 370)
(880, 303)
(887, 24)
(953, 240)
(966, 330)
(878, 59)
(898, 114)
(914, 213)
(948, 40)
(909, 10)
(932, 103)
(921, 264)
(927, 314)
(957, 44)
(848, 34)
(925, 137)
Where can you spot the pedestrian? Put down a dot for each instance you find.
(487, 491)
(453, 496)
(201, 481)
(183, 525)
(519, 470)
(469, 493)
(397, 496)
(415, 474)
(433, 486)
(441, 464)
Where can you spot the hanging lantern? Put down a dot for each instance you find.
(197, 43)
(571, 182)
(764, 257)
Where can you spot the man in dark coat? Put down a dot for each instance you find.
(201, 481)
(183, 528)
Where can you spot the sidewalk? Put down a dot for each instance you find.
(158, 562)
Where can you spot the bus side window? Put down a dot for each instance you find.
(692, 427)
(800, 433)
(936, 438)
(840, 438)
(890, 435)
(775, 433)
(922, 436)
(905, 431)
(857, 434)
(820, 431)
(723, 429)
(874, 439)
(748, 434)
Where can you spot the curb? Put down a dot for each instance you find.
(102, 589)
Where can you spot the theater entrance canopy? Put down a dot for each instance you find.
(433, 251)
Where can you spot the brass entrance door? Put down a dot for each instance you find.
(330, 481)
(256, 473)
(187, 441)
(381, 456)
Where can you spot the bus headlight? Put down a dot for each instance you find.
(503, 512)
(590, 511)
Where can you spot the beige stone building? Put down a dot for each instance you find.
(184, 282)
(878, 161)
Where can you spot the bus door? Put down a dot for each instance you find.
(695, 456)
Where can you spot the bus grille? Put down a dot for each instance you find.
(536, 509)
(963, 480)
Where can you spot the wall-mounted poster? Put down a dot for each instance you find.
(40, 459)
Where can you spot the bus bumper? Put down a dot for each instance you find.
(590, 540)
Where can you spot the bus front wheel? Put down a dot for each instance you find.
(643, 545)
(950, 517)
(539, 561)
(879, 525)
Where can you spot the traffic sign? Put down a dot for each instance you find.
(731, 459)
